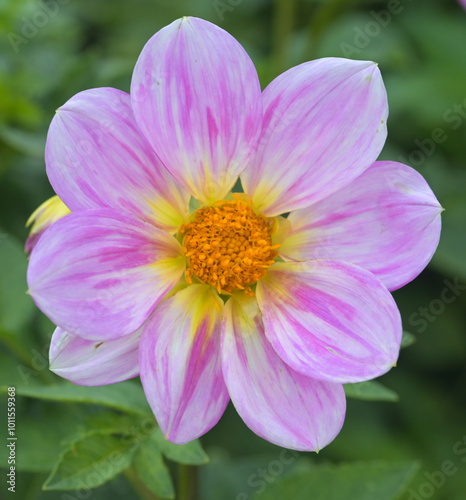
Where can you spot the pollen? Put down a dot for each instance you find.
(228, 246)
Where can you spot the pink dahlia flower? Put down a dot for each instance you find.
(230, 299)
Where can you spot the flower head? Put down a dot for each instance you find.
(274, 297)
(228, 246)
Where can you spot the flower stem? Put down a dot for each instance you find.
(283, 20)
(323, 17)
(138, 486)
(187, 482)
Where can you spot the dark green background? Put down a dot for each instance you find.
(421, 51)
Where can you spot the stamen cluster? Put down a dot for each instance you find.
(228, 246)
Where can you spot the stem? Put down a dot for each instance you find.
(323, 17)
(138, 486)
(283, 21)
(187, 482)
(34, 485)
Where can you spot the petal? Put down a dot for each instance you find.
(276, 402)
(97, 157)
(99, 274)
(324, 124)
(330, 320)
(44, 216)
(180, 363)
(387, 221)
(87, 362)
(197, 98)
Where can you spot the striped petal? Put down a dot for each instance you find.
(276, 402)
(180, 363)
(196, 96)
(330, 320)
(324, 124)
(387, 221)
(87, 362)
(98, 274)
(97, 157)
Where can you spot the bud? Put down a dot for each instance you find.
(43, 217)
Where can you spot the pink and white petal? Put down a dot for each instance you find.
(330, 320)
(276, 402)
(180, 363)
(197, 98)
(97, 157)
(87, 362)
(98, 274)
(324, 124)
(387, 221)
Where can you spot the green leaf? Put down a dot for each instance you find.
(42, 430)
(16, 307)
(150, 468)
(370, 391)
(240, 477)
(449, 256)
(90, 463)
(12, 372)
(115, 423)
(25, 142)
(357, 481)
(125, 396)
(188, 454)
(407, 339)
(129, 426)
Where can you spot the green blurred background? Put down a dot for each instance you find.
(51, 50)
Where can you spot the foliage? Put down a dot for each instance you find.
(81, 437)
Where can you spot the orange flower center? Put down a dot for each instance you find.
(228, 246)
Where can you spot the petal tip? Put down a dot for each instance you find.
(373, 70)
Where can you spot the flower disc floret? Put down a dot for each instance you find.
(228, 246)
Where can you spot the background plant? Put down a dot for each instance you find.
(73, 439)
